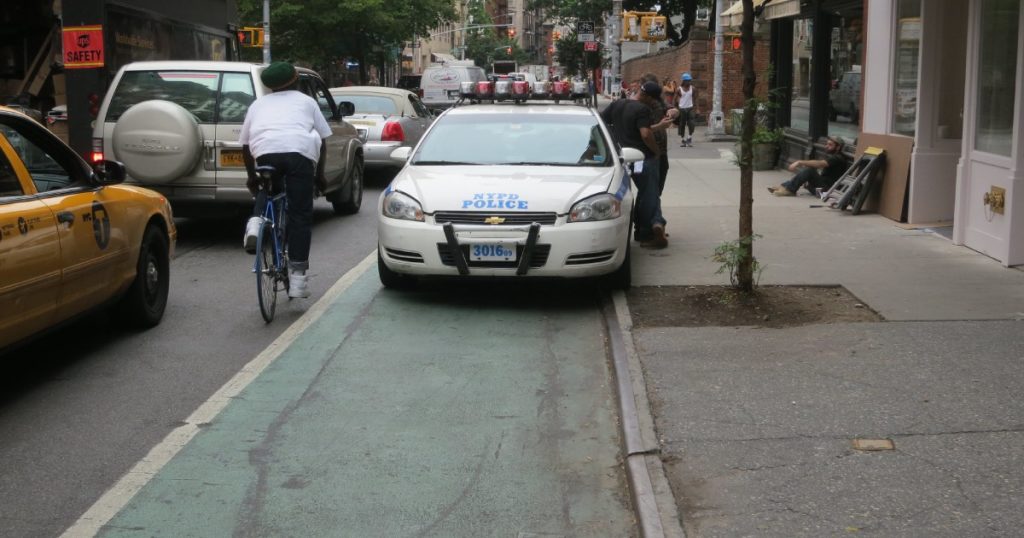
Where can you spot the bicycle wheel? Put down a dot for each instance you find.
(266, 273)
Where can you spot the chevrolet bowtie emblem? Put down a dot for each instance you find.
(494, 220)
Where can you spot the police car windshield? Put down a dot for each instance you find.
(515, 140)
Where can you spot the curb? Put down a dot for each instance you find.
(653, 501)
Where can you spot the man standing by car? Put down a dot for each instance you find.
(285, 129)
(631, 127)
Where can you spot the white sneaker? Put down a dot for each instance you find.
(298, 285)
(252, 229)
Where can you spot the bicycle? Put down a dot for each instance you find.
(271, 265)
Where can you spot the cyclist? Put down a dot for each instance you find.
(285, 129)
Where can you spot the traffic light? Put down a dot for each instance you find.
(556, 35)
(508, 50)
(511, 32)
(250, 36)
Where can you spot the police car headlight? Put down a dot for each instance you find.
(600, 207)
(398, 205)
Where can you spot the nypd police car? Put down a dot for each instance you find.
(502, 190)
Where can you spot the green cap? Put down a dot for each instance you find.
(279, 75)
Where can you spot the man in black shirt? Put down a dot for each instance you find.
(631, 126)
(831, 169)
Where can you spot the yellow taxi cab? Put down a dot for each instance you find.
(72, 239)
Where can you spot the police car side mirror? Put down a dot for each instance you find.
(109, 172)
(346, 108)
(632, 155)
(401, 154)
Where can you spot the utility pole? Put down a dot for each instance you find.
(716, 120)
(266, 31)
(617, 39)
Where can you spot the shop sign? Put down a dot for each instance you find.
(83, 47)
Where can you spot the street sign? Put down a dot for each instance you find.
(585, 31)
(590, 46)
(83, 47)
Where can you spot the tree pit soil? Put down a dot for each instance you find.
(725, 306)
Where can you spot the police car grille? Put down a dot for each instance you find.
(511, 219)
(590, 257)
(539, 258)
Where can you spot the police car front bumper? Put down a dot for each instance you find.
(566, 250)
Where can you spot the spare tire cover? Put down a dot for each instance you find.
(158, 141)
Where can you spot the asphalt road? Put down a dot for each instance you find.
(454, 410)
(79, 407)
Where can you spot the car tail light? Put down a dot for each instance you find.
(392, 132)
(97, 150)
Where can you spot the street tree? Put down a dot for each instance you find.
(320, 33)
(745, 267)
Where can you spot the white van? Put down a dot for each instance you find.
(440, 84)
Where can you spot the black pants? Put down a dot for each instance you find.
(295, 175)
(687, 119)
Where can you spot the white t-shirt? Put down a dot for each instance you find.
(685, 97)
(284, 122)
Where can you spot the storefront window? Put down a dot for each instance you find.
(800, 114)
(908, 44)
(997, 74)
(845, 78)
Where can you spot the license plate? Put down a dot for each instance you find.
(231, 157)
(492, 252)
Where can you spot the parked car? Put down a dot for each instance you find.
(441, 84)
(387, 118)
(72, 239)
(506, 190)
(56, 114)
(175, 125)
(844, 97)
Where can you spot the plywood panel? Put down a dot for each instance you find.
(890, 200)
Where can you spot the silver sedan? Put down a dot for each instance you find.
(387, 118)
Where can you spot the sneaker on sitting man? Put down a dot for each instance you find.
(781, 191)
(298, 285)
(252, 229)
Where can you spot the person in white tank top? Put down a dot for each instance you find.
(687, 110)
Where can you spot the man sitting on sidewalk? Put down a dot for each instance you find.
(831, 169)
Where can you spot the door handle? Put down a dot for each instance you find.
(66, 217)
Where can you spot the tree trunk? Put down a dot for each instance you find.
(745, 268)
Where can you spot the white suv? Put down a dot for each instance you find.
(175, 126)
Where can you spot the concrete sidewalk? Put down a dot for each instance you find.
(755, 426)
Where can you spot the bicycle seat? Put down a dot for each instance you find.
(266, 171)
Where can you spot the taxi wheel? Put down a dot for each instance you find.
(143, 305)
(348, 205)
(391, 279)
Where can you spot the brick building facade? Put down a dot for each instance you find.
(697, 56)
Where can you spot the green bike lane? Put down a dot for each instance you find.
(480, 411)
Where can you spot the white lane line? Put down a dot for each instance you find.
(118, 496)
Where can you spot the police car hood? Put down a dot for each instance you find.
(502, 188)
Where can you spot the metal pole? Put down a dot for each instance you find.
(716, 120)
(617, 39)
(266, 31)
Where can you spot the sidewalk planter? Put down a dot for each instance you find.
(765, 148)
(764, 156)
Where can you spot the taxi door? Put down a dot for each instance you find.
(89, 222)
(29, 251)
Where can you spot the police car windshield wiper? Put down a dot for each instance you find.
(446, 162)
